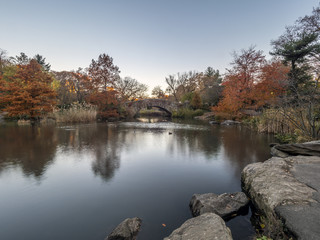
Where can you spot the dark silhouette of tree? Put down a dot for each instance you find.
(42, 61)
(173, 85)
(295, 46)
(130, 89)
(209, 72)
(21, 59)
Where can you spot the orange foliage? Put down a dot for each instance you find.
(106, 102)
(28, 92)
(264, 88)
(273, 83)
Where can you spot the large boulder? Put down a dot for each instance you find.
(306, 149)
(224, 205)
(205, 227)
(126, 230)
(287, 189)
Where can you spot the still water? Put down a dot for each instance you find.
(81, 181)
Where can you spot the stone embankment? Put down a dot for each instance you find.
(286, 189)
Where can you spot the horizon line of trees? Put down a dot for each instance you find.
(29, 89)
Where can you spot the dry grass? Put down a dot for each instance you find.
(77, 113)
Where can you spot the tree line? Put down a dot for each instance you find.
(285, 89)
(29, 89)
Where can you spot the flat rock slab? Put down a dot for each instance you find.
(224, 205)
(301, 220)
(289, 189)
(306, 149)
(126, 230)
(205, 227)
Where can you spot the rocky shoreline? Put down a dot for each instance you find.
(210, 212)
(285, 190)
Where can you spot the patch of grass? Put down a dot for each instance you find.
(76, 113)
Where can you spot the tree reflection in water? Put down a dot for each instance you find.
(242, 146)
(31, 148)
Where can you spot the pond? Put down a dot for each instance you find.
(81, 181)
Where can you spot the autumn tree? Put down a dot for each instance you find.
(157, 92)
(73, 86)
(130, 89)
(106, 102)
(240, 80)
(28, 93)
(271, 84)
(103, 72)
(103, 75)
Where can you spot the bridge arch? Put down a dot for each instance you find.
(167, 106)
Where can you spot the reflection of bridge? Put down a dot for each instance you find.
(167, 106)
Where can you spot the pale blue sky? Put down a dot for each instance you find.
(147, 39)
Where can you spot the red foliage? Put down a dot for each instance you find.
(263, 87)
(103, 72)
(106, 102)
(273, 83)
(28, 92)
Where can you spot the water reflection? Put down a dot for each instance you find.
(103, 142)
(33, 149)
(155, 167)
(242, 146)
(191, 142)
(30, 148)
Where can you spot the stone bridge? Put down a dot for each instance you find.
(167, 106)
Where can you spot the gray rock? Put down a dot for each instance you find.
(302, 221)
(205, 227)
(224, 205)
(126, 230)
(214, 122)
(230, 122)
(277, 153)
(306, 149)
(287, 189)
(206, 116)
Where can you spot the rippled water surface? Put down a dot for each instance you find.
(81, 181)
